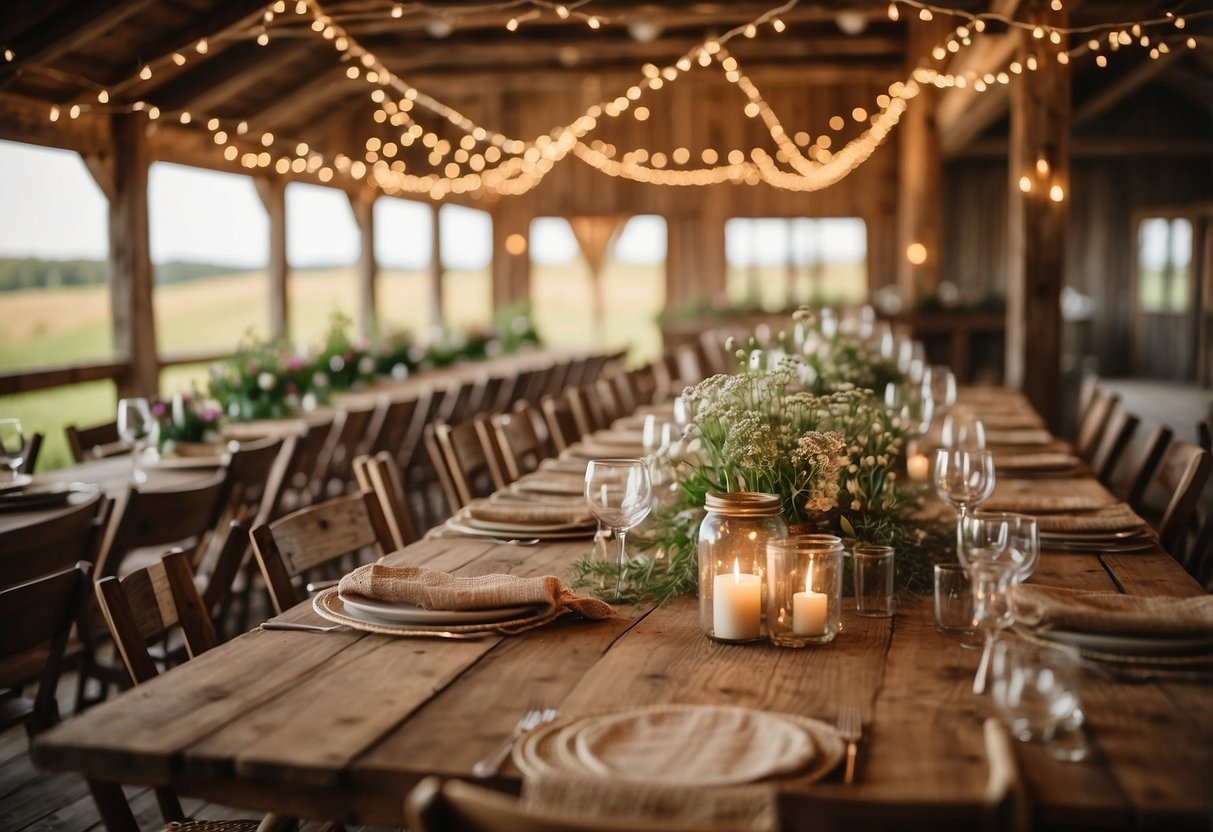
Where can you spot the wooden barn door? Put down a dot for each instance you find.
(1171, 294)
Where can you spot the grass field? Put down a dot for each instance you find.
(63, 325)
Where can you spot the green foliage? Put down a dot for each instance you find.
(262, 380)
(187, 417)
(17, 273)
(347, 361)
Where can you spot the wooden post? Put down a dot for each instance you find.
(511, 271)
(273, 196)
(695, 259)
(919, 175)
(436, 269)
(363, 205)
(123, 179)
(1039, 186)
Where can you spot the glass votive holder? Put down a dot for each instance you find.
(732, 562)
(953, 599)
(804, 589)
(873, 580)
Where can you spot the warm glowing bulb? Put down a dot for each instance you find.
(1056, 193)
(894, 14)
(778, 25)
(515, 245)
(916, 253)
(74, 112)
(512, 24)
(1025, 184)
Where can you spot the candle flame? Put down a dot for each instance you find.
(808, 579)
(736, 571)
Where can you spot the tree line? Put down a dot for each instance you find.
(17, 273)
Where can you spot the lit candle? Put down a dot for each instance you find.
(178, 410)
(809, 609)
(737, 605)
(918, 467)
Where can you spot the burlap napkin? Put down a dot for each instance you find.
(1010, 420)
(1035, 462)
(1111, 613)
(616, 803)
(1045, 503)
(552, 483)
(433, 589)
(1110, 519)
(522, 513)
(588, 449)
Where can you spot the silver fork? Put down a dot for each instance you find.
(850, 728)
(531, 718)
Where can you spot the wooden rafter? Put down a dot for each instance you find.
(210, 85)
(1112, 94)
(63, 32)
(316, 92)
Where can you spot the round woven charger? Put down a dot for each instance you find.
(328, 605)
(548, 748)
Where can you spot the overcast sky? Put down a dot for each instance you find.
(51, 208)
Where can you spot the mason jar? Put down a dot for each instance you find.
(732, 547)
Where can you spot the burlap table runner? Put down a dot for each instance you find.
(433, 589)
(1111, 613)
(1113, 518)
(523, 513)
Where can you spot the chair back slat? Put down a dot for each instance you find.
(1182, 473)
(390, 426)
(1094, 422)
(314, 536)
(333, 468)
(380, 476)
(250, 472)
(95, 442)
(563, 428)
(518, 447)
(467, 459)
(441, 467)
(1116, 438)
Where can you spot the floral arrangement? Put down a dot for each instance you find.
(348, 362)
(261, 380)
(823, 442)
(187, 418)
(396, 354)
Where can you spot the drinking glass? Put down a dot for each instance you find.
(873, 580)
(953, 599)
(992, 581)
(963, 478)
(658, 441)
(1035, 690)
(620, 494)
(137, 428)
(12, 445)
(962, 429)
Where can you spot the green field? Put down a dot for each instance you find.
(63, 325)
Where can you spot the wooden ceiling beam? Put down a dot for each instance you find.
(963, 113)
(19, 17)
(63, 32)
(303, 100)
(243, 66)
(1109, 95)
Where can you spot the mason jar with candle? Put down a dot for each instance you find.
(732, 544)
(804, 589)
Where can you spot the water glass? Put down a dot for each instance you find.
(873, 580)
(1020, 538)
(804, 590)
(137, 429)
(12, 445)
(953, 599)
(1035, 689)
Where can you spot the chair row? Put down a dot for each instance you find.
(1164, 482)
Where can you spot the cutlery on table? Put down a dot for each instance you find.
(338, 628)
(531, 718)
(850, 728)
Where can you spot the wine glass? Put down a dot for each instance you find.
(1036, 691)
(992, 582)
(12, 445)
(940, 382)
(1021, 538)
(658, 440)
(908, 402)
(620, 494)
(962, 429)
(136, 427)
(963, 478)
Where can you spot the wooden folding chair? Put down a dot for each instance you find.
(255, 471)
(586, 409)
(563, 429)
(484, 397)
(379, 475)
(94, 443)
(305, 451)
(608, 401)
(316, 536)
(1094, 423)
(334, 469)
(55, 543)
(36, 618)
(150, 605)
(456, 401)
(1143, 468)
(1183, 472)
(518, 448)
(33, 444)
(463, 448)
(1117, 435)
(390, 425)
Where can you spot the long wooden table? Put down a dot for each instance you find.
(341, 725)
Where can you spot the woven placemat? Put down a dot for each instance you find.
(327, 604)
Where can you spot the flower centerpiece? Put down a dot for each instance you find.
(186, 422)
(262, 380)
(831, 452)
(396, 354)
(347, 362)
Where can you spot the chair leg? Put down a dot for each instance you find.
(112, 806)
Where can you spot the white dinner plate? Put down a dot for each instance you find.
(21, 481)
(357, 607)
(1094, 536)
(1130, 645)
(499, 526)
(458, 527)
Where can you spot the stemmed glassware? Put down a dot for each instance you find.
(992, 582)
(620, 494)
(939, 382)
(657, 440)
(1001, 535)
(12, 445)
(909, 402)
(137, 428)
(962, 429)
(963, 478)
